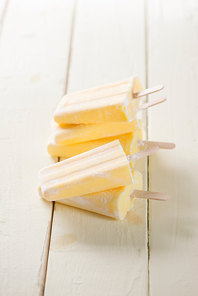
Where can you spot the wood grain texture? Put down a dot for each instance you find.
(91, 254)
(173, 60)
(33, 56)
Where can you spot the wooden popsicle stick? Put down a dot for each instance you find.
(150, 195)
(143, 153)
(147, 91)
(161, 145)
(150, 104)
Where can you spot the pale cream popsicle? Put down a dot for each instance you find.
(114, 203)
(131, 143)
(113, 102)
(69, 134)
(100, 169)
(128, 142)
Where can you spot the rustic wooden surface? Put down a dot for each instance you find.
(34, 50)
(51, 47)
(173, 59)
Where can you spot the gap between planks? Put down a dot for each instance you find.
(2, 17)
(147, 85)
(45, 255)
(47, 245)
(70, 47)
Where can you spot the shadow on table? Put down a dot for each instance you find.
(79, 228)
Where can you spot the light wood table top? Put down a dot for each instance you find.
(49, 48)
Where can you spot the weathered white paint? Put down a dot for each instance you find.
(91, 254)
(33, 56)
(173, 60)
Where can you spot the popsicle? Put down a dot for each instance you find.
(69, 134)
(114, 203)
(130, 142)
(99, 169)
(127, 141)
(115, 102)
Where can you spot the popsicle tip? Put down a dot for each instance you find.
(161, 145)
(158, 101)
(172, 145)
(148, 91)
(161, 86)
(40, 191)
(161, 196)
(151, 104)
(151, 195)
(168, 196)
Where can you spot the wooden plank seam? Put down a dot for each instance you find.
(47, 247)
(147, 131)
(45, 255)
(2, 17)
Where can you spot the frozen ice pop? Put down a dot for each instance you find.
(108, 103)
(96, 170)
(113, 203)
(69, 134)
(99, 169)
(127, 141)
(131, 143)
(117, 102)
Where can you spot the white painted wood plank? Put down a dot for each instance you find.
(2, 6)
(91, 254)
(173, 60)
(33, 56)
(108, 43)
(2, 11)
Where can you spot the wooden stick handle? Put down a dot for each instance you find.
(161, 145)
(147, 91)
(150, 104)
(150, 195)
(143, 153)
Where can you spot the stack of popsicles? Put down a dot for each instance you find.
(98, 130)
(94, 117)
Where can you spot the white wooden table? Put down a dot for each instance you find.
(51, 47)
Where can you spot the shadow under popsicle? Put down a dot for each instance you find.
(75, 228)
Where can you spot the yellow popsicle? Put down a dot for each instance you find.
(99, 169)
(107, 103)
(113, 203)
(69, 134)
(128, 142)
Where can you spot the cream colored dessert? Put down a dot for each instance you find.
(99, 169)
(113, 102)
(127, 141)
(113, 203)
(69, 134)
